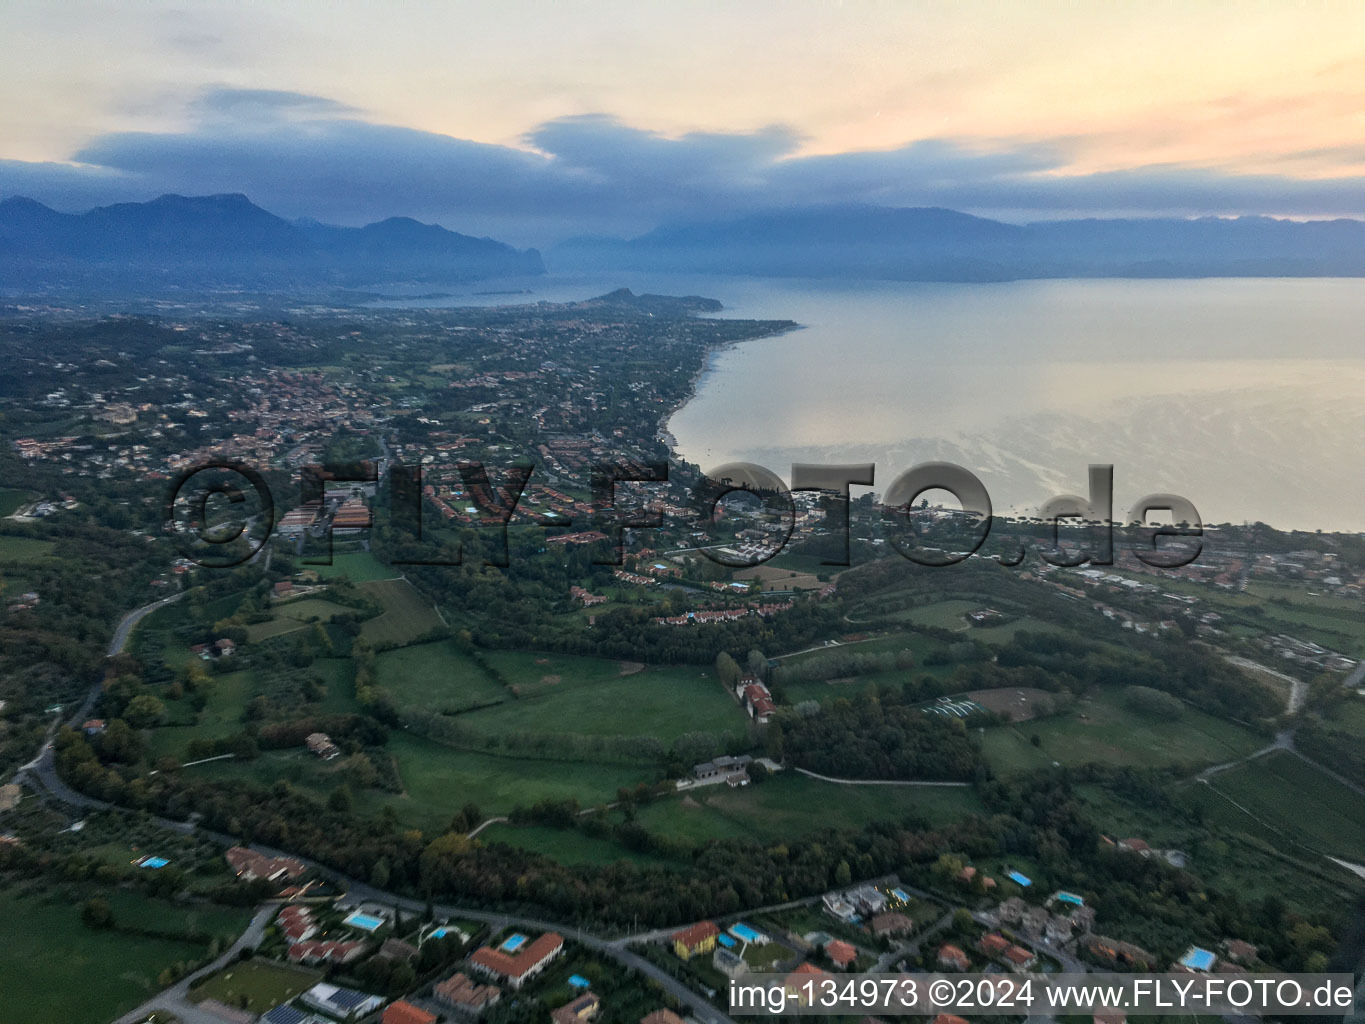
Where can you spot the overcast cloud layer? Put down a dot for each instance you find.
(299, 155)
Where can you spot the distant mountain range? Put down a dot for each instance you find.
(930, 244)
(228, 241)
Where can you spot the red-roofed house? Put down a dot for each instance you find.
(515, 968)
(405, 1013)
(953, 958)
(841, 953)
(697, 939)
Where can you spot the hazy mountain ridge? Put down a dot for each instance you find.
(227, 240)
(934, 244)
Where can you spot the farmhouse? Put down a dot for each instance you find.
(515, 968)
(321, 744)
(722, 768)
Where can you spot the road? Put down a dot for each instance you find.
(122, 631)
(878, 782)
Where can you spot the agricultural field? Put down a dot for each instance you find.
(777, 580)
(438, 780)
(1291, 801)
(262, 983)
(24, 549)
(221, 717)
(357, 566)
(1100, 728)
(62, 970)
(407, 615)
(599, 697)
(789, 804)
(293, 615)
(437, 677)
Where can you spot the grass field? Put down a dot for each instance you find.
(436, 677)
(358, 566)
(438, 781)
(1294, 801)
(294, 615)
(406, 616)
(1112, 734)
(24, 549)
(592, 696)
(55, 968)
(221, 717)
(789, 805)
(264, 985)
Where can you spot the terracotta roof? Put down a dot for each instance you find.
(841, 952)
(405, 1013)
(696, 934)
(460, 990)
(661, 1017)
(515, 965)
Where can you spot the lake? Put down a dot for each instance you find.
(1246, 396)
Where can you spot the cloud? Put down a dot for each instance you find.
(241, 104)
(303, 155)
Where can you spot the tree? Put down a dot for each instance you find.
(843, 875)
(144, 711)
(97, 913)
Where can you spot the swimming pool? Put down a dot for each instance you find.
(365, 922)
(1018, 879)
(1197, 959)
(154, 862)
(728, 941)
(744, 933)
(578, 981)
(901, 895)
(513, 943)
(440, 933)
(1072, 898)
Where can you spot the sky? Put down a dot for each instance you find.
(533, 121)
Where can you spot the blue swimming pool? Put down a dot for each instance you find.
(155, 862)
(901, 895)
(744, 933)
(1018, 879)
(513, 943)
(578, 981)
(1197, 959)
(728, 941)
(365, 922)
(1072, 898)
